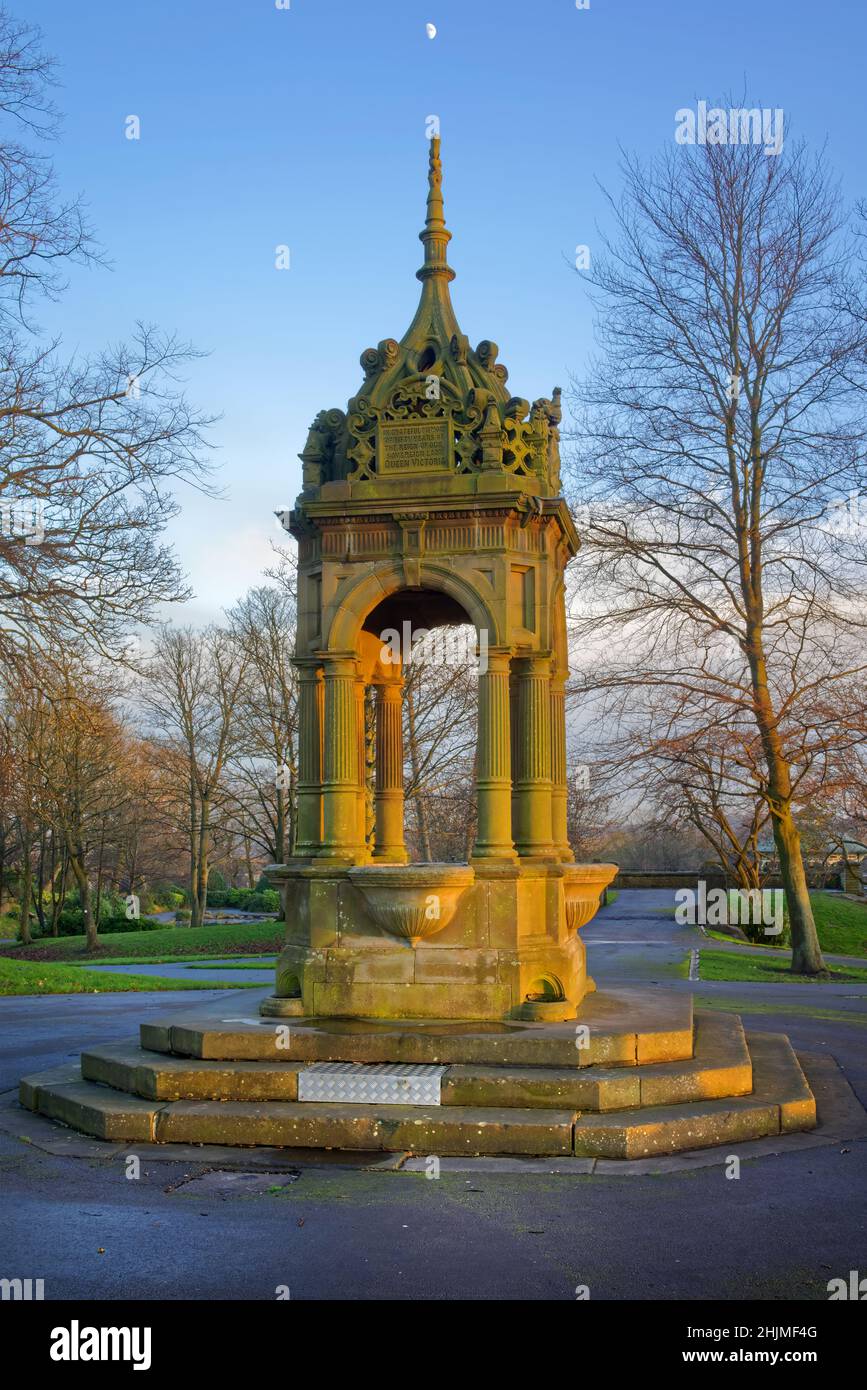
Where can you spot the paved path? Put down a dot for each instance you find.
(791, 1222)
(635, 939)
(184, 970)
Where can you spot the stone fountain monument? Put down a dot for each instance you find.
(434, 499)
(436, 1008)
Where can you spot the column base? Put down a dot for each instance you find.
(386, 855)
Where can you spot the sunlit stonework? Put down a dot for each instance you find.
(433, 499)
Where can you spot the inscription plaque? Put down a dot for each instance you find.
(414, 446)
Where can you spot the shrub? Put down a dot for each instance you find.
(246, 899)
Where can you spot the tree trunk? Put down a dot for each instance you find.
(806, 952)
(204, 827)
(91, 929)
(195, 919)
(26, 878)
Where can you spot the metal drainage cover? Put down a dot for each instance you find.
(225, 1183)
(381, 1083)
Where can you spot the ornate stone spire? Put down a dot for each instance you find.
(434, 320)
(436, 236)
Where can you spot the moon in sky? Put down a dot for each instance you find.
(431, 30)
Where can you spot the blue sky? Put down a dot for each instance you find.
(306, 127)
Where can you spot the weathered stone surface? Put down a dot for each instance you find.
(779, 1077)
(578, 1088)
(620, 1025)
(156, 1036)
(128, 1068)
(96, 1110)
(30, 1086)
(396, 1128)
(780, 1102)
(629, 1111)
(666, 1129)
(721, 1065)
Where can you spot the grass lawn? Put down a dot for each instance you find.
(730, 965)
(842, 926)
(160, 946)
(265, 964)
(29, 977)
(268, 958)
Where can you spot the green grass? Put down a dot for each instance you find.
(842, 925)
(235, 965)
(731, 965)
(82, 963)
(29, 977)
(161, 946)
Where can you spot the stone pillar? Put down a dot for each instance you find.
(533, 825)
(340, 838)
(361, 758)
(308, 835)
(494, 763)
(560, 833)
(389, 847)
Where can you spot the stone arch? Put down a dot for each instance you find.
(385, 580)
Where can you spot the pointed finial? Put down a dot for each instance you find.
(436, 235)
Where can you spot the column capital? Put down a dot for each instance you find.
(498, 660)
(309, 667)
(339, 663)
(534, 663)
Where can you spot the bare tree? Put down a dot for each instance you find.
(717, 434)
(89, 448)
(439, 703)
(192, 687)
(264, 764)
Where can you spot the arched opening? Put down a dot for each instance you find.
(420, 728)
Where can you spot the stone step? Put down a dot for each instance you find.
(659, 1028)
(162, 1077)
(721, 1067)
(108, 1114)
(781, 1102)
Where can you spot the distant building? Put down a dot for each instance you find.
(839, 864)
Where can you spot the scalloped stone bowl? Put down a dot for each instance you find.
(583, 885)
(412, 901)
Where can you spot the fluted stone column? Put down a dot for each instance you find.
(533, 825)
(494, 763)
(559, 829)
(361, 758)
(389, 844)
(308, 836)
(340, 839)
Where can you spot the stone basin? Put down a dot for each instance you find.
(583, 885)
(412, 901)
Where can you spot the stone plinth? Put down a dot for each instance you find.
(487, 941)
